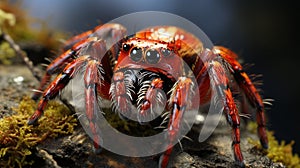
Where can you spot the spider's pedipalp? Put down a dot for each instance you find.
(148, 103)
(120, 96)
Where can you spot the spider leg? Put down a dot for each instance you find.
(202, 77)
(59, 63)
(57, 85)
(97, 83)
(92, 80)
(224, 95)
(78, 38)
(179, 100)
(250, 91)
(110, 32)
(147, 97)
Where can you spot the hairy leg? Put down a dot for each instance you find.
(224, 96)
(250, 91)
(57, 85)
(92, 80)
(180, 99)
(59, 63)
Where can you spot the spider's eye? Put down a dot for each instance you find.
(165, 52)
(152, 56)
(136, 54)
(126, 47)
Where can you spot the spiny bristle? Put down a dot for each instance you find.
(141, 76)
(79, 115)
(258, 83)
(101, 70)
(172, 94)
(160, 127)
(165, 114)
(48, 59)
(267, 103)
(181, 147)
(38, 91)
(248, 116)
(129, 91)
(255, 76)
(44, 65)
(166, 117)
(112, 60)
(113, 106)
(160, 97)
(248, 66)
(142, 92)
(112, 89)
(112, 96)
(188, 138)
(269, 100)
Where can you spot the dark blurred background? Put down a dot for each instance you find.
(263, 33)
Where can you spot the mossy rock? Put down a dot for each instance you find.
(17, 138)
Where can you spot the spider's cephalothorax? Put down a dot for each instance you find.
(136, 67)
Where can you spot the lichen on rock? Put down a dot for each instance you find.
(277, 151)
(18, 139)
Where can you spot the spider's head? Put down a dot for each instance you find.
(152, 55)
(147, 51)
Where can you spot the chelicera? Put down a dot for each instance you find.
(159, 55)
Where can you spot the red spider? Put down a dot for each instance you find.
(105, 76)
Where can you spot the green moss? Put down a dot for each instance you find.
(278, 152)
(17, 139)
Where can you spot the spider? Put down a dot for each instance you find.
(159, 60)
